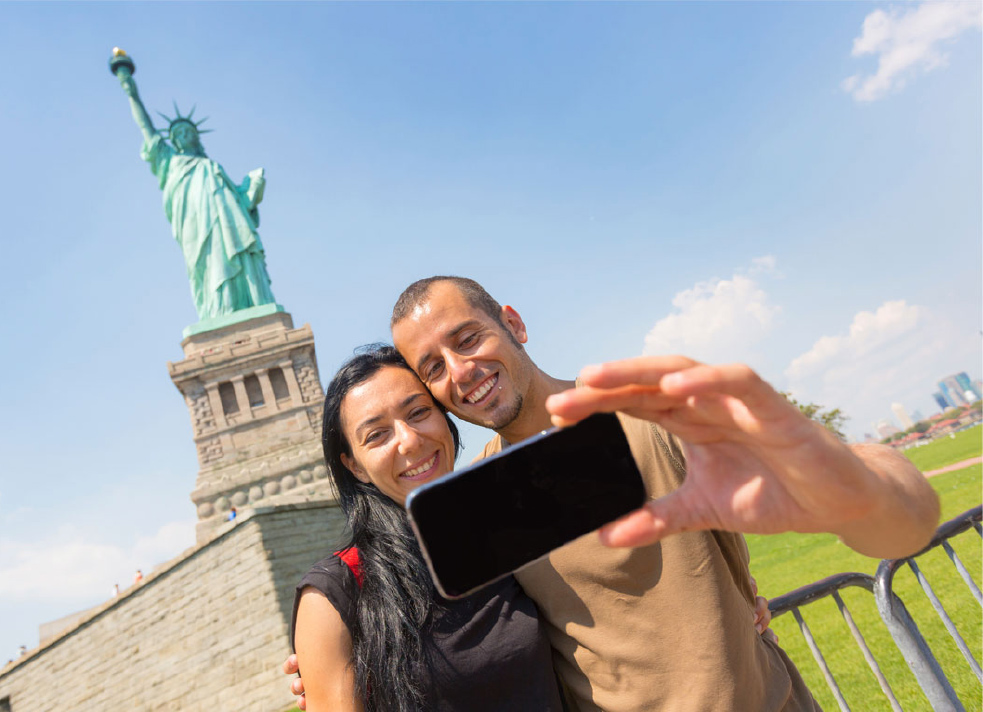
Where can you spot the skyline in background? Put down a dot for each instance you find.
(793, 185)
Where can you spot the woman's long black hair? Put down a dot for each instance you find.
(397, 599)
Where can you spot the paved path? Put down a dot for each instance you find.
(956, 466)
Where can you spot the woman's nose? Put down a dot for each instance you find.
(407, 437)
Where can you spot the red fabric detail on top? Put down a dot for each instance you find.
(353, 561)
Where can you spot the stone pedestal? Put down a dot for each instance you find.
(255, 399)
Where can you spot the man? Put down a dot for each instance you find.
(665, 625)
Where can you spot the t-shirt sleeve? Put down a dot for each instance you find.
(333, 578)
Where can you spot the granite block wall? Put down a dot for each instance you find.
(206, 631)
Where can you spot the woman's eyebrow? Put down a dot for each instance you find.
(376, 418)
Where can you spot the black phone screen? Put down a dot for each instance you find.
(487, 520)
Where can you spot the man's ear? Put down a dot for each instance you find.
(351, 464)
(513, 322)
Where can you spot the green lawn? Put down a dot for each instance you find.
(946, 450)
(785, 562)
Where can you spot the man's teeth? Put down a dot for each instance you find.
(422, 468)
(482, 391)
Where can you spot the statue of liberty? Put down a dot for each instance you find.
(213, 219)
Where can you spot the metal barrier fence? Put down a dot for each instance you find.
(896, 618)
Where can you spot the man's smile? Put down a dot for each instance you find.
(483, 389)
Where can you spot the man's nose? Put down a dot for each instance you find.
(460, 369)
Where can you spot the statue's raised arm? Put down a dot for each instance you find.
(214, 219)
(122, 66)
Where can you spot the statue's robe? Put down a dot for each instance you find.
(215, 221)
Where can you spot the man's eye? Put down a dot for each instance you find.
(434, 370)
(469, 340)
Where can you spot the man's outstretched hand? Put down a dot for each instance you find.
(754, 463)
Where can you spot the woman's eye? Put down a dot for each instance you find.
(374, 436)
(419, 413)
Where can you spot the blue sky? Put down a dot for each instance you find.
(796, 185)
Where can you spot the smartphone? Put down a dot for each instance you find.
(483, 522)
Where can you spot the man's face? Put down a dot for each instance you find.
(469, 361)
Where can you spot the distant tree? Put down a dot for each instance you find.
(922, 426)
(977, 406)
(832, 419)
(952, 413)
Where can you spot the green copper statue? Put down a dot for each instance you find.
(213, 219)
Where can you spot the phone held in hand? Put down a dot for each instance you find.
(483, 522)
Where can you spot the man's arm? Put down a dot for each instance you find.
(755, 464)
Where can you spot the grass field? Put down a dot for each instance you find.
(946, 451)
(785, 562)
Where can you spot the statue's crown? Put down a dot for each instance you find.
(189, 119)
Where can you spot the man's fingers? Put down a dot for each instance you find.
(577, 403)
(642, 370)
(302, 703)
(653, 522)
(290, 665)
(762, 614)
(736, 380)
(297, 686)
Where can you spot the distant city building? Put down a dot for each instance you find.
(950, 389)
(969, 391)
(958, 389)
(886, 429)
(978, 387)
(943, 403)
(902, 415)
(917, 416)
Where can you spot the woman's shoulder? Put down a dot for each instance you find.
(335, 577)
(342, 568)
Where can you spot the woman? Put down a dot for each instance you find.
(370, 631)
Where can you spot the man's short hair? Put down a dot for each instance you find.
(473, 293)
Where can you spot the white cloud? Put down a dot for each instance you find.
(65, 567)
(868, 332)
(907, 43)
(719, 319)
(894, 354)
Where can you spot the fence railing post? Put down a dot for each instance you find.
(910, 642)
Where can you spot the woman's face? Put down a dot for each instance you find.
(399, 439)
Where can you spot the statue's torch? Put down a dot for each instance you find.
(121, 62)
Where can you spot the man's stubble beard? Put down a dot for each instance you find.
(508, 417)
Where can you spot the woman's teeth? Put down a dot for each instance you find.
(422, 468)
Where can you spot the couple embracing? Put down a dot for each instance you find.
(657, 611)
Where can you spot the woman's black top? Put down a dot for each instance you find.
(489, 651)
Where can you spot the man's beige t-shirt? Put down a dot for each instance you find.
(667, 627)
